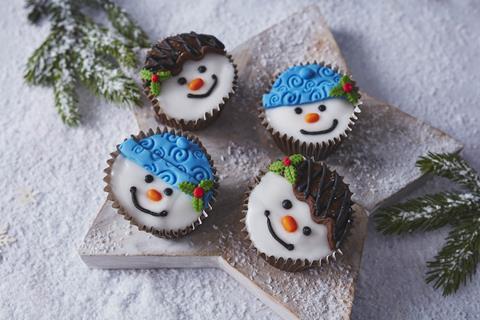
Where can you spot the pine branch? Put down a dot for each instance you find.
(79, 50)
(457, 260)
(450, 166)
(424, 214)
(65, 95)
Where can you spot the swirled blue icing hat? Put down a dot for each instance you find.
(173, 158)
(300, 85)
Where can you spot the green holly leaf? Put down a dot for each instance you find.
(145, 74)
(345, 79)
(277, 167)
(353, 97)
(206, 185)
(290, 173)
(197, 204)
(187, 187)
(155, 88)
(164, 75)
(337, 91)
(296, 159)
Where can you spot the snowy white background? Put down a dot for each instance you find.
(422, 56)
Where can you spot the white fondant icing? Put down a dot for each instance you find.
(173, 96)
(126, 173)
(285, 120)
(268, 194)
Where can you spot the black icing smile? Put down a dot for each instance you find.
(288, 246)
(332, 127)
(206, 94)
(133, 191)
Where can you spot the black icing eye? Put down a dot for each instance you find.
(322, 107)
(168, 191)
(202, 69)
(181, 81)
(148, 178)
(266, 213)
(307, 231)
(298, 110)
(286, 204)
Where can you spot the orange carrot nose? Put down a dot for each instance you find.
(289, 223)
(154, 195)
(312, 117)
(195, 84)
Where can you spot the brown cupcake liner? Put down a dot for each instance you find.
(317, 151)
(192, 125)
(289, 264)
(162, 233)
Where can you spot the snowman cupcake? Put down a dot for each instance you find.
(164, 182)
(298, 213)
(310, 109)
(188, 78)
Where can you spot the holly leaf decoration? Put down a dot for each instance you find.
(296, 159)
(197, 204)
(206, 185)
(346, 89)
(145, 74)
(290, 173)
(277, 167)
(345, 79)
(155, 88)
(187, 187)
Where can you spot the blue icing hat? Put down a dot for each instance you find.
(172, 158)
(300, 85)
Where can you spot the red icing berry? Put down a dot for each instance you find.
(154, 77)
(198, 192)
(347, 87)
(286, 161)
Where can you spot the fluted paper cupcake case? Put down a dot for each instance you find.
(289, 264)
(162, 233)
(318, 151)
(192, 125)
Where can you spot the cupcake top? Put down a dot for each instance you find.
(312, 103)
(190, 75)
(299, 210)
(163, 181)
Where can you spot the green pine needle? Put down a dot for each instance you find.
(78, 50)
(452, 167)
(456, 262)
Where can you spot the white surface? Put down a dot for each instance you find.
(173, 97)
(268, 195)
(420, 56)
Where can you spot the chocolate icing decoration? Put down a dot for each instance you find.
(133, 191)
(209, 92)
(171, 53)
(328, 197)
(287, 246)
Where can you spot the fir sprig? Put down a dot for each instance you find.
(78, 50)
(456, 262)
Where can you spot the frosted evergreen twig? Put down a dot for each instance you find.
(457, 261)
(78, 50)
